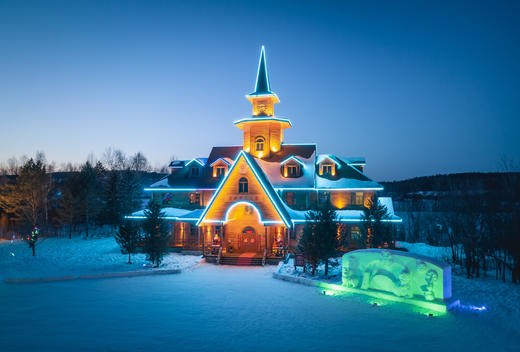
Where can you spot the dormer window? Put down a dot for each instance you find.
(292, 167)
(260, 144)
(326, 169)
(194, 172)
(220, 167)
(328, 165)
(243, 185)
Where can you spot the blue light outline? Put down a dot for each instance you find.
(215, 194)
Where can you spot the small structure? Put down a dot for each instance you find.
(398, 276)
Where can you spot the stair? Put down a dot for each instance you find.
(243, 260)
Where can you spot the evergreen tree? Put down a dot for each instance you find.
(327, 229)
(374, 232)
(129, 192)
(128, 237)
(69, 206)
(112, 199)
(156, 233)
(90, 180)
(320, 240)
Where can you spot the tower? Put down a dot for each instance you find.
(263, 131)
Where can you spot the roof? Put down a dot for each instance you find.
(347, 215)
(305, 153)
(346, 176)
(262, 85)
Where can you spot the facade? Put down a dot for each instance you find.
(253, 198)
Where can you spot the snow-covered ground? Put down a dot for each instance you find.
(77, 256)
(500, 299)
(225, 308)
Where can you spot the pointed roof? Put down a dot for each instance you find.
(262, 86)
(264, 183)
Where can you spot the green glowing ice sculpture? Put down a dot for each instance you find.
(409, 276)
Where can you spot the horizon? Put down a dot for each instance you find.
(417, 89)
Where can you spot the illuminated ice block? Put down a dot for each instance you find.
(397, 273)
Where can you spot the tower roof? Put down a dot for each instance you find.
(262, 86)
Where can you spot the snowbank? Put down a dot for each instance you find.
(78, 256)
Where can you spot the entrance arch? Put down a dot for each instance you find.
(244, 228)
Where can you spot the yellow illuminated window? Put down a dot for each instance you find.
(292, 170)
(259, 144)
(242, 185)
(220, 171)
(327, 169)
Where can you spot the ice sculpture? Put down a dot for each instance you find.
(398, 273)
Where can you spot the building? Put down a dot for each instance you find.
(251, 200)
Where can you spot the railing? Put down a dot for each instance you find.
(264, 258)
(219, 256)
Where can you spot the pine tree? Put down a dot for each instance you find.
(320, 240)
(156, 233)
(90, 180)
(327, 230)
(374, 232)
(128, 237)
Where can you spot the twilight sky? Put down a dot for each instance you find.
(418, 88)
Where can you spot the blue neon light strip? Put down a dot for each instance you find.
(279, 119)
(177, 189)
(329, 189)
(196, 160)
(164, 217)
(224, 160)
(292, 157)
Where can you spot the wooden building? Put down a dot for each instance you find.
(250, 201)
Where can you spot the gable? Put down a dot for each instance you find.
(260, 194)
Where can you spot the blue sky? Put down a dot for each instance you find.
(418, 88)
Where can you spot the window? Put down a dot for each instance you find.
(220, 171)
(292, 170)
(290, 198)
(194, 198)
(324, 197)
(259, 144)
(194, 172)
(356, 198)
(326, 169)
(354, 231)
(242, 185)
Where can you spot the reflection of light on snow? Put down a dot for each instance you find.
(479, 309)
(329, 293)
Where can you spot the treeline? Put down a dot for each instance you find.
(75, 198)
(477, 215)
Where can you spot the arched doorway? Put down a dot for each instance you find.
(249, 240)
(243, 228)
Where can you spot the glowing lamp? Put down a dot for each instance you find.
(329, 293)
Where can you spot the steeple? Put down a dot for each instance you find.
(262, 98)
(262, 77)
(263, 132)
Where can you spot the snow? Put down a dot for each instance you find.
(168, 212)
(222, 308)
(215, 308)
(500, 298)
(63, 257)
(273, 172)
(161, 183)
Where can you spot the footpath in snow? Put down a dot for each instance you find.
(63, 257)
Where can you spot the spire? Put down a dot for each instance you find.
(262, 77)
(262, 86)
